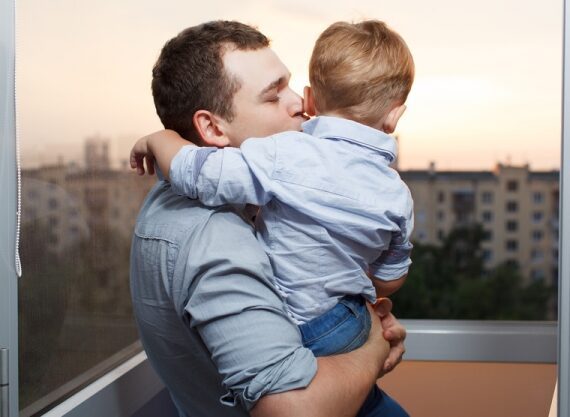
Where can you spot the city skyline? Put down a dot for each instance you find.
(481, 94)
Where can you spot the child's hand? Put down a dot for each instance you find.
(139, 153)
(382, 307)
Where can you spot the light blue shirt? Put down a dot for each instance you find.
(209, 316)
(332, 207)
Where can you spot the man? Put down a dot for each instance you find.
(210, 319)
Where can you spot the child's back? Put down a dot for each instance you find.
(337, 206)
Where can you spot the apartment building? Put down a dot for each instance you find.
(517, 207)
(73, 201)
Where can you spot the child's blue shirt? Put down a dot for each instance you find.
(331, 206)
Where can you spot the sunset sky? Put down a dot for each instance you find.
(488, 73)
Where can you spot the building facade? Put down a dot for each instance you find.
(517, 208)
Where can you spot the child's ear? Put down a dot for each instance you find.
(210, 129)
(392, 118)
(308, 101)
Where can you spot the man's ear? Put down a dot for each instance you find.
(208, 127)
(391, 120)
(309, 101)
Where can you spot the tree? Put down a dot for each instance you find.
(450, 282)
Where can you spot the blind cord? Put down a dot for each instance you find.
(18, 154)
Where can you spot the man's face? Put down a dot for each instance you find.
(265, 104)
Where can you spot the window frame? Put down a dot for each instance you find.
(8, 276)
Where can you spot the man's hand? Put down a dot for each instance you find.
(393, 332)
(139, 153)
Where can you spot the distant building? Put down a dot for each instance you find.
(71, 202)
(96, 154)
(517, 208)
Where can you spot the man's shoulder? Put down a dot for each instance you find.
(168, 216)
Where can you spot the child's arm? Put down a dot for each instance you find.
(386, 288)
(162, 146)
(389, 272)
(214, 176)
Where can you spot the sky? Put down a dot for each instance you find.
(487, 88)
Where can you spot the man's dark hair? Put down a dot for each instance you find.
(190, 76)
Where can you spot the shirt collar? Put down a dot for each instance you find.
(337, 128)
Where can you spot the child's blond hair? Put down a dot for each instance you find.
(360, 71)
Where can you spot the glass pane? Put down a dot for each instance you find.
(487, 89)
(79, 200)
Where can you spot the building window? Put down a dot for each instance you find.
(487, 197)
(512, 206)
(487, 235)
(487, 216)
(511, 245)
(513, 263)
(536, 255)
(537, 235)
(53, 221)
(512, 225)
(537, 216)
(537, 197)
(53, 239)
(537, 274)
(487, 255)
(52, 204)
(463, 204)
(512, 185)
(440, 235)
(440, 215)
(421, 235)
(440, 197)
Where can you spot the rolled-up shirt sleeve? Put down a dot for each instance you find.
(240, 317)
(395, 262)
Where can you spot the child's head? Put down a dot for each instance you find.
(361, 71)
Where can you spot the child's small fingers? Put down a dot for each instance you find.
(150, 165)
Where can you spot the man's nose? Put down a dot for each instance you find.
(295, 103)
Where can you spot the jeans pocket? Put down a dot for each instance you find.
(364, 324)
(342, 329)
(356, 305)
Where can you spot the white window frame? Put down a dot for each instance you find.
(8, 278)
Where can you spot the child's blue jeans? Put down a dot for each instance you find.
(343, 328)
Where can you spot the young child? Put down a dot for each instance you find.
(335, 219)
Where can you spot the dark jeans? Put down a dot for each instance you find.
(343, 328)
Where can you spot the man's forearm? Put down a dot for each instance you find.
(339, 388)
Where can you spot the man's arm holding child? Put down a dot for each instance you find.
(326, 395)
(266, 368)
